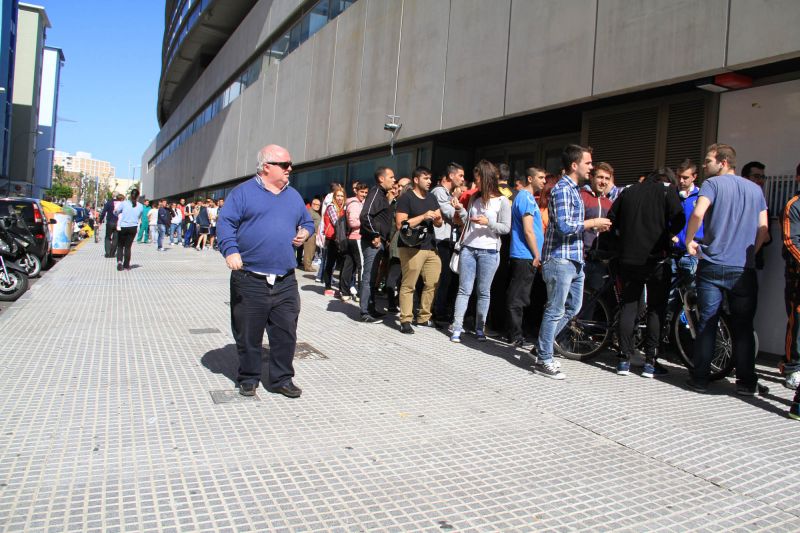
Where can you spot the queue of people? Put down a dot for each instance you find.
(560, 231)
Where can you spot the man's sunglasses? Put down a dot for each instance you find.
(283, 164)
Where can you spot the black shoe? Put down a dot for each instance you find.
(426, 324)
(392, 309)
(692, 384)
(369, 319)
(374, 312)
(405, 327)
(119, 267)
(290, 390)
(248, 389)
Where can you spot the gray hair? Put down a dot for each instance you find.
(265, 154)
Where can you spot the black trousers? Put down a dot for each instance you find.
(111, 240)
(125, 241)
(656, 277)
(444, 302)
(256, 306)
(518, 296)
(352, 265)
(334, 261)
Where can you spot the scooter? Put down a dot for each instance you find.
(31, 262)
(13, 275)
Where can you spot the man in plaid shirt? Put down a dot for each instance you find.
(562, 254)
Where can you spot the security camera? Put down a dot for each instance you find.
(391, 126)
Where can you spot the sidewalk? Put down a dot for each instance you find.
(107, 424)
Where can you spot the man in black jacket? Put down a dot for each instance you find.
(376, 226)
(164, 221)
(645, 216)
(110, 218)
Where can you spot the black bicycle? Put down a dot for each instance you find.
(594, 328)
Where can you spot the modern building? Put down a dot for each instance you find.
(83, 162)
(32, 23)
(645, 83)
(8, 44)
(52, 63)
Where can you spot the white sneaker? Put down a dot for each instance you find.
(792, 380)
(550, 370)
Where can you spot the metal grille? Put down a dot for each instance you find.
(778, 190)
(627, 140)
(685, 126)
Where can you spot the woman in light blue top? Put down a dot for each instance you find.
(129, 213)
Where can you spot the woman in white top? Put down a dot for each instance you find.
(129, 211)
(489, 217)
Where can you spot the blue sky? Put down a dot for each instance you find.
(109, 83)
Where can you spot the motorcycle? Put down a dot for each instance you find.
(13, 273)
(31, 262)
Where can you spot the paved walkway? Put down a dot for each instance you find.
(107, 424)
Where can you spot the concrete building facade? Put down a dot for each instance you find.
(32, 23)
(8, 44)
(52, 62)
(508, 80)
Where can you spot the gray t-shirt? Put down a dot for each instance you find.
(731, 222)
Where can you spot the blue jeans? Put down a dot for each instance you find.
(162, 230)
(714, 283)
(475, 264)
(564, 281)
(369, 277)
(175, 232)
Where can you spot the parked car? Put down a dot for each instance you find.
(31, 211)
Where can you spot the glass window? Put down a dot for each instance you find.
(318, 17)
(317, 182)
(402, 164)
(280, 48)
(337, 6)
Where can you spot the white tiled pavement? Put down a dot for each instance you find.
(107, 424)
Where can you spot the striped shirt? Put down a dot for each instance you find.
(564, 237)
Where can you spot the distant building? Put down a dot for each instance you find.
(48, 110)
(83, 162)
(32, 23)
(8, 44)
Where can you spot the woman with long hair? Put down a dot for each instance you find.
(543, 199)
(489, 218)
(129, 213)
(332, 214)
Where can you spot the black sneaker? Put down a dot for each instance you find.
(119, 267)
(369, 319)
(248, 389)
(405, 327)
(697, 387)
(744, 390)
(376, 313)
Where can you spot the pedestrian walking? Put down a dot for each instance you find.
(417, 215)
(734, 216)
(310, 246)
(446, 237)
(489, 217)
(144, 225)
(164, 217)
(108, 215)
(129, 214)
(527, 238)
(263, 221)
(790, 229)
(562, 269)
(645, 216)
(376, 227)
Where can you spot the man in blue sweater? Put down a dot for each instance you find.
(264, 219)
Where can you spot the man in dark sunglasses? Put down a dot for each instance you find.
(263, 221)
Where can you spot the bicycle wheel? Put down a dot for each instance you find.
(722, 361)
(584, 337)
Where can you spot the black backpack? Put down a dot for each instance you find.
(341, 230)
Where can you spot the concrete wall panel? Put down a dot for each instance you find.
(544, 35)
(291, 110)
(423, 58)
(763, 29)
(379, 70)
(476, 61)
(346, 79)
(280, 10)
(643, 42)
(319, 104)
(249, 126)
